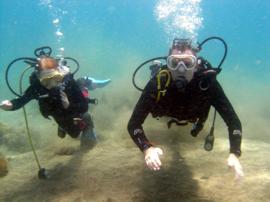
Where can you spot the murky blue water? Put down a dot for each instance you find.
(111, 38)
(104, 33)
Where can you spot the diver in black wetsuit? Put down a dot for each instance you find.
(184, 90)
(62, 97)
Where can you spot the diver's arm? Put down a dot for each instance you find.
(140, 112)
(226, 111)
(142, 109)
(135, 128)
(28, 95)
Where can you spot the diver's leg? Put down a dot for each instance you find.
(66, 126)
(61, 132)
(88, 136)
(196, 128)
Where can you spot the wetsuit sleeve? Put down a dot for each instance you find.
(226, 111)
(138, 117)
(24, 99)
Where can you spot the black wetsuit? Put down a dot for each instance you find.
(190, 105)
(50, 102)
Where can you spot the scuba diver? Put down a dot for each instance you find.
(184, 89)
(59, 95)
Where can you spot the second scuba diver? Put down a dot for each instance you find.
(60, 96)
(184, 89)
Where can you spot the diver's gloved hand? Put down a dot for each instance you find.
(151, 157)
(234, 163)
(64, 99)
(6, 105)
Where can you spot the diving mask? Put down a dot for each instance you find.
(50, 78)
(181, 62)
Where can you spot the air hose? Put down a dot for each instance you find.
(210, 138)
(140, 66)
(42, 174)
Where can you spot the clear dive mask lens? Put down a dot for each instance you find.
(186, 61)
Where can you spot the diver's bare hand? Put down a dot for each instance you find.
(6, 105)
(234, 163)
(151, 157)
(64, 99)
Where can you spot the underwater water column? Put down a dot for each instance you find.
(179, 18)
(57, 14)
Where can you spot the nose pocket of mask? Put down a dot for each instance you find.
(181, 67)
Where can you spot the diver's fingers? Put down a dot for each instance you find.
(234, 163)
(156, 164)
(152, 158)
(238, 171)
(6, 105)
(155, 158)
(149, 163)
(232, 160)
(6, 102)
(152, 164)
(63, 94)
(156, 161)
(159, 151)
(64, 99)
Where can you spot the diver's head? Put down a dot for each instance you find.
(45, 63)
(49, 73)
(182, 62)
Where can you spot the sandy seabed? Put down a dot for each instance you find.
(114, 170)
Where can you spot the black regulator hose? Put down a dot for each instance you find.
(76, 62)
(210, 138)
(140, 66)
(199, 48)
(34, 60)
(225, 48)
(44, 50)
